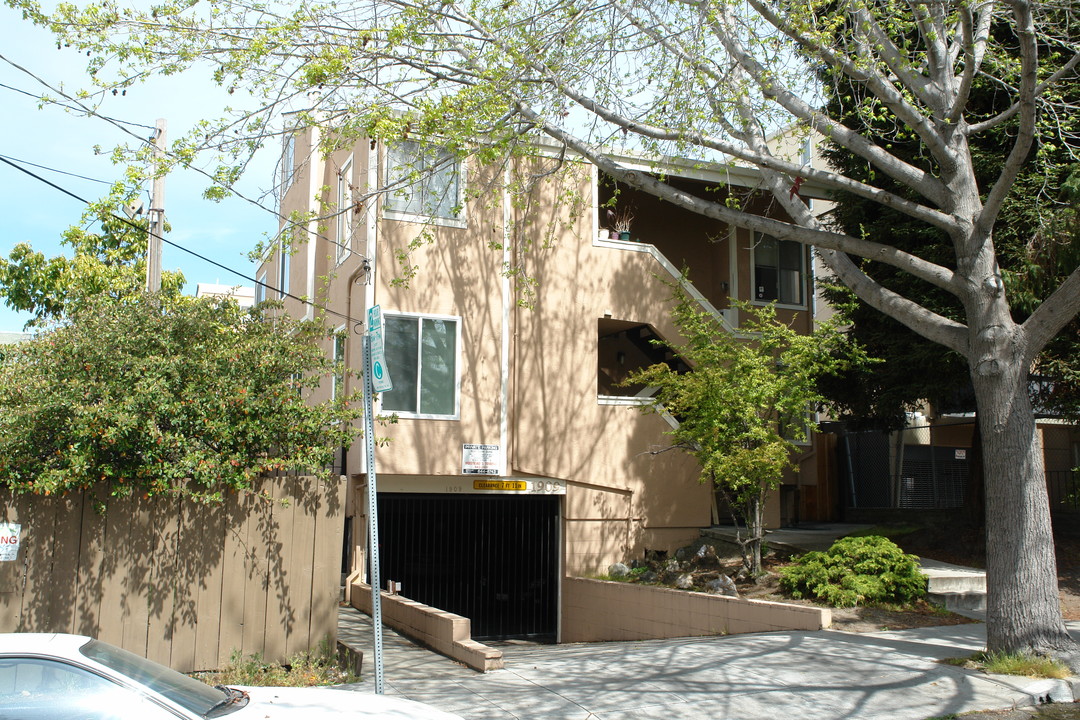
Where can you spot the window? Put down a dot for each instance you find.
(45, 688)
(284, 256)
(421, 355)
(288, 152)
(344, 210)
(260, 288)
(424, 181)
(778, 270)
(339, 360)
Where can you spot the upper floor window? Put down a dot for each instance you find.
(423, 182)
(288, 158)
(284, 257)
(421, 355)
(260, 288)
(344, 210)
(779, 270)
(338, 357)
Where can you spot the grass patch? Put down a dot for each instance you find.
(301, 670)
(1033, 666)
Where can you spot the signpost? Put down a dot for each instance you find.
(376, 378)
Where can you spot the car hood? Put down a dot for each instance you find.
(285, 703)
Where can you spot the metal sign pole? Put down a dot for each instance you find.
(373, 514)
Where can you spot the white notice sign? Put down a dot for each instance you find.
(480, 459)
(9, 542)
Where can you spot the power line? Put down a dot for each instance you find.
(60, 104)
(80, 107)
(52, 169)
(181, 247)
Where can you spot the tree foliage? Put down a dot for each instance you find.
(107, 259)
(196, 399)
(710, 79)
(743, 408)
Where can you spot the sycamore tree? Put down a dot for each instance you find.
(711, 79)
(742, 408)
(198, 398)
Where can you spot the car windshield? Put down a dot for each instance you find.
(196, 696)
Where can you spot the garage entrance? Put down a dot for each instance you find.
(491, 558)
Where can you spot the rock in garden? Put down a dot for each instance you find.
(723, 585)
(684, 581)
(618, 570)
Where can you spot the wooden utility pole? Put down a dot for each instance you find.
(156, 214)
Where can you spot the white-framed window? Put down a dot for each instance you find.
(344, 210)
(260, 287)
(337, 354)
(288, 160)
(422, 357)
(779, 271)
(424, 183)
(284, 258)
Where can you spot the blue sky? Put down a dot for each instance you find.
(35, 213)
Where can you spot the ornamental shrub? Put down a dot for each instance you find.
(856, 571)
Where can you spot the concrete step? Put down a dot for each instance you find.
(962, 603)
(947, 578)
(959, 589)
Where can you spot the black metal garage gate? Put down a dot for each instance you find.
(492, 558)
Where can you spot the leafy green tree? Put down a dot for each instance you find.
(743, 407)
(199, 399)
(107, 259)
(699, 78)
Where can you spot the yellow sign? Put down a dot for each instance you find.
(500, 485)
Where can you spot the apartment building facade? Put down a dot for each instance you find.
(517, 457)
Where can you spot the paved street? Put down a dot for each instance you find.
(826, 674)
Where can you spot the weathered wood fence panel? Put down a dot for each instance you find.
(182, 583)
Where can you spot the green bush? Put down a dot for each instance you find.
(856, 571)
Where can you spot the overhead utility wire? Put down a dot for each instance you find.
(181, 247)
(52, 169)
(69, 107)
(94, 113)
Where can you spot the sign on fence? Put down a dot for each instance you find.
(9, 542)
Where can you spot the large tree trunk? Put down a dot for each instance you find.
(1023, 607)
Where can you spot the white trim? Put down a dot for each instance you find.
(419, 380)
(724, 316)
(637, 401)
(343, 200)
(317, 169)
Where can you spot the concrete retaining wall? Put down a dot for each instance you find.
(599, 610)
(442, 631)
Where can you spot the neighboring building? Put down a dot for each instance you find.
(517, 459)
(244, 296)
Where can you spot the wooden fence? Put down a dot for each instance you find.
(181, 583)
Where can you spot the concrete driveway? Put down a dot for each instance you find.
(827, 674)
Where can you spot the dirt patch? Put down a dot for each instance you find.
(1058, 711)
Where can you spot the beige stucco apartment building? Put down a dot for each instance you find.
(517, 459)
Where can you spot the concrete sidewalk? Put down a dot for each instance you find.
(827, 674)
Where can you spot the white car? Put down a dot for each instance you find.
(72, 677)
